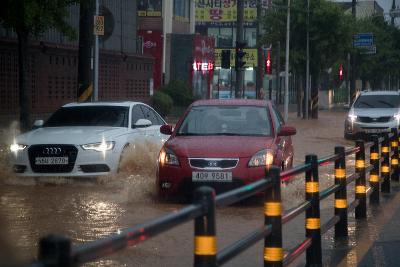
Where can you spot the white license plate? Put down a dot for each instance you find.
(373, 130)
(211, 176)
(51, 160)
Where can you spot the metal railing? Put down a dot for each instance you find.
(57, 251)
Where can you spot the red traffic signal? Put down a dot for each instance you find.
(268, 63)
(341, 72)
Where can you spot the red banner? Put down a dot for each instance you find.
(153, 45)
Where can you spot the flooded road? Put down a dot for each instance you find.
(89, 209)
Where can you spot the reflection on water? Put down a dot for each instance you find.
(82, 209)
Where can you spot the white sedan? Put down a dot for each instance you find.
(85, 139)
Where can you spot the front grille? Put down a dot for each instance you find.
(213, 164)
(56, 150)
(372, 120)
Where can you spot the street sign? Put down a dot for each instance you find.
(363, 40)
(368, 50)
(98, 25)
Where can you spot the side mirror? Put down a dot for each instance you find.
(142, 123)
(287, 131)
(38, 124)
(166, 129)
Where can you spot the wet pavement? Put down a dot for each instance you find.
(89, 209)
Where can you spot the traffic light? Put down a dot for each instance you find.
(268, 63)
(341, 72)
(240, 54)
(226, 59)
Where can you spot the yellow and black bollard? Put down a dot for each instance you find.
(273, 252)
(313, 223)
(341, 194)
(361, 190)
(385, 166)
(55, 250)
(394, 162)
(374, 173)
(205, 240)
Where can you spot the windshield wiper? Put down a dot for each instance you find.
(188, 134)
(365, 103)
(386, 103)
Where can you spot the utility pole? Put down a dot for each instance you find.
(286, 109)
(85, 86)
(353, 60)
(239, 38)
(96, 61)
(307, 89)
(278, 74)
(259, 74)
(393, 8)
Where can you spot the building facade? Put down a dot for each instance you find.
(124, 74)
(160, 22)
(217, 19)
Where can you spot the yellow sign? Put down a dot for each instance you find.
(98, 25)
(215, 11)
(250, 57)
(144, 13)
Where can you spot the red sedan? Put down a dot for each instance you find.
(224, 144)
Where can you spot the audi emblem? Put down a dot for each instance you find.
(51, 151)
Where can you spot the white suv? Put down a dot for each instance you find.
(373, 112)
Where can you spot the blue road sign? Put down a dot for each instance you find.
(363, 40)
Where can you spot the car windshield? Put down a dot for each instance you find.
(226, 120)
(377, 101)
(113, 116)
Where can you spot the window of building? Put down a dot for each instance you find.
(181, 8)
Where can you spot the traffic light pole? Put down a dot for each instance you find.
(260, 69)
(239, 38)
(286, 109)
(353, 61)
(307, 89)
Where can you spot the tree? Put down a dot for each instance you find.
(377, 68)
(330, 33)
(31, 18)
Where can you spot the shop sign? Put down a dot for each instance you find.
(223, 11)
(203, 66)
(250, 57)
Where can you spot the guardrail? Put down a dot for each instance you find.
(57, 251)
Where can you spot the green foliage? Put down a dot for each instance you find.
(331, 33)
(162, 103)
(34, 17)
(180, 93)
(329, 30)
(387, 59)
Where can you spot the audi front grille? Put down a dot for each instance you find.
(52, 151)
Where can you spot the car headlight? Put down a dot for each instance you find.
(17, 147)
(100, 147)
(168, 157)
(396, 116)
(264, 157)
(352, 117)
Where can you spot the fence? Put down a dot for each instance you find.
(57, 251)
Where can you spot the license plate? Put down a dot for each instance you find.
(211, 176)
(374, 130)
(51, 160)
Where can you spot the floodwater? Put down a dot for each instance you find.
(89, 209)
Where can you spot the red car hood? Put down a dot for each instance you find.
(218, 146)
